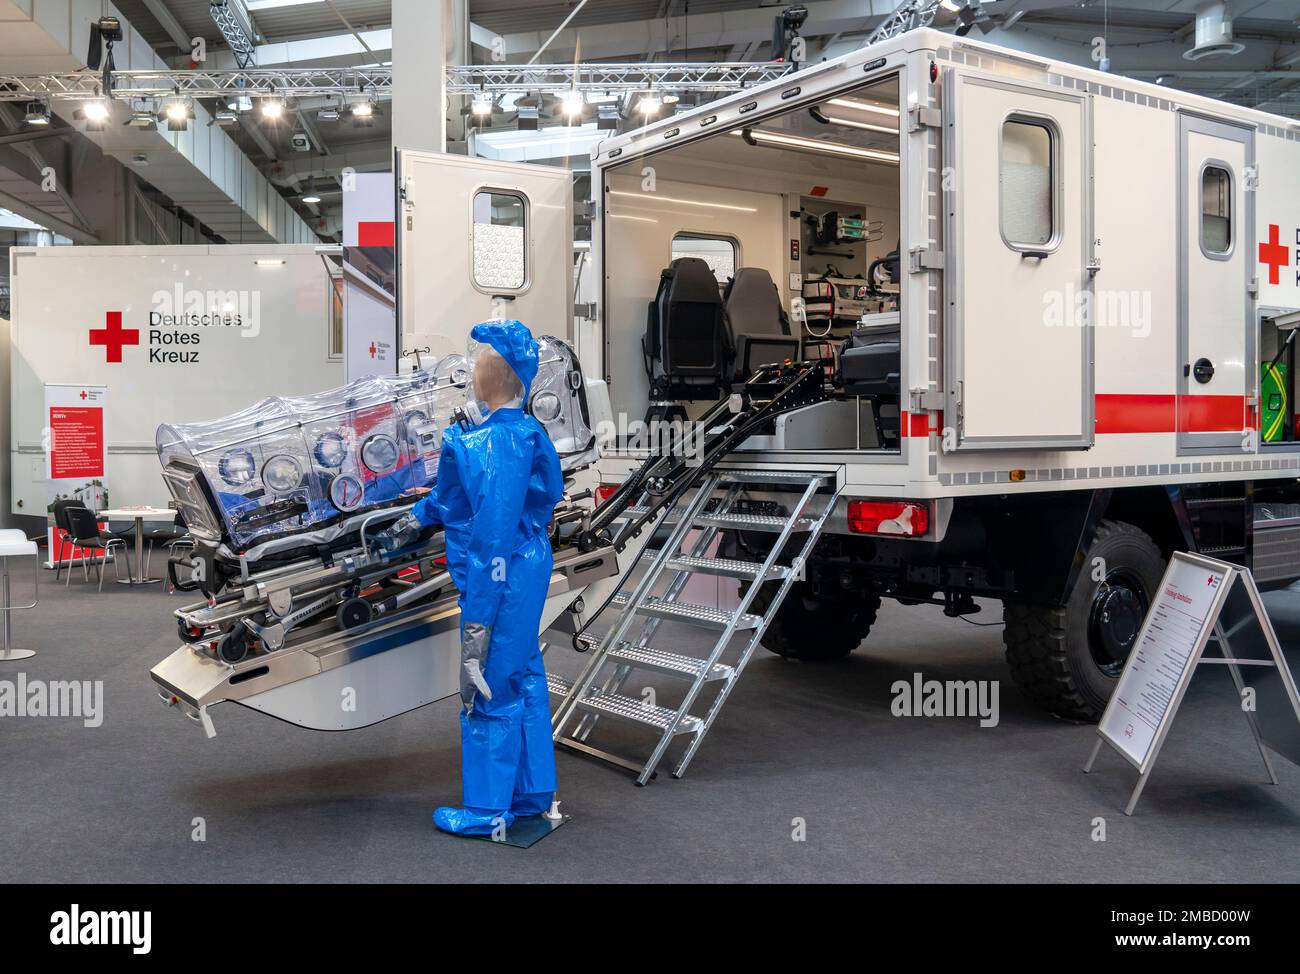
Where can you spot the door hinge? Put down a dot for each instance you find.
(1252, 286)
(922, 117)
(1093, 267)
(583, 211)
(406, 192)
(927, 400)
(922, 259)
(586, 309)
(1250, 177)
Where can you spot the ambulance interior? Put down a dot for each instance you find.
(1279, 330)
(782, 236)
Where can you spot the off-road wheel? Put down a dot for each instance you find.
(1068, 659)
(811, 628)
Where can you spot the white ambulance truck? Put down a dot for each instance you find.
(1095, 288)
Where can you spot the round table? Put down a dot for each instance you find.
(139, 515)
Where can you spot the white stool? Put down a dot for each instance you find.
(14, 544)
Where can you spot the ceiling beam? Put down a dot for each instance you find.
(169, 23)
(25, 208)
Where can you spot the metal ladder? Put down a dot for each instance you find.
(616, 654)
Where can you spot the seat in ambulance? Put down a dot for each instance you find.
(687, 345)
(759, 324)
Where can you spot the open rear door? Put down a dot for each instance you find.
(478, 239)
(1019, 337)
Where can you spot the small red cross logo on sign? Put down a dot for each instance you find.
(1274, 254)
(372, 349)
(83, 395)
(114, 336)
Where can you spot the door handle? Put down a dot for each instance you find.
(1203, 370)
(1039, 255)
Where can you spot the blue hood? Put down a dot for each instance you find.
(514, 343)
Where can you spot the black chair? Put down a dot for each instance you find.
(687, 345)
(759, 324)
(86, 535)
(169, 536)
(63, 525)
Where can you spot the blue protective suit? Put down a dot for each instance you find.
(497, 488)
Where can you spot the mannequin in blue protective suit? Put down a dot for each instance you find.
(498, 484)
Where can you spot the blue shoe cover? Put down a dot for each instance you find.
(469, 821)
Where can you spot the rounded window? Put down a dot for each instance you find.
(282, 474)
(237, 468)
(380, 453)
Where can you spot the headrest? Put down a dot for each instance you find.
(691, 281)
(753, 304)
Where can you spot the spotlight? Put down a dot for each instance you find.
(239, 103)
(529, 119)
(607, 118)
(573, 103)
(225, 117)
(328, 114)
(363, 109)
(177, 114)
(142, 117)
(94, 114)
(671, 99)
(38, 113)
(272, 109)
(481, 107)
(650, 105)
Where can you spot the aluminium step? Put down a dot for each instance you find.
(637, 711)
(726, 567)
(557, 684)
(661, 660)
(703, 616)
(754, 522)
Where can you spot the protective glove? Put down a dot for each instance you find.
(399, 534)
(474, 641)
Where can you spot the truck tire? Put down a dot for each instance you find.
(811, 628)
(1067, 659)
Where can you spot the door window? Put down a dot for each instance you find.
(500, 240)
(1216, 211)
(1025, 180)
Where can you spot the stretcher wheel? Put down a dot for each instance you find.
(354, 612)
(188, 633)
(235, 646)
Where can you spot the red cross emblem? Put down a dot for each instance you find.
(1274, 254)
(114, 336)
(83, 395)
(372, 349)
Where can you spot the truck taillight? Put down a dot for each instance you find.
(888, 517)
(604, 492)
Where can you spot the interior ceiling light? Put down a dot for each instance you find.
(852, 123)
(311, 198)
(656, 198)
(758, 137)
(239, 103)
(272, 108)
(858, 104)
(38, 113)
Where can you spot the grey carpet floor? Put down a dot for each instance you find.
(881, 798)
